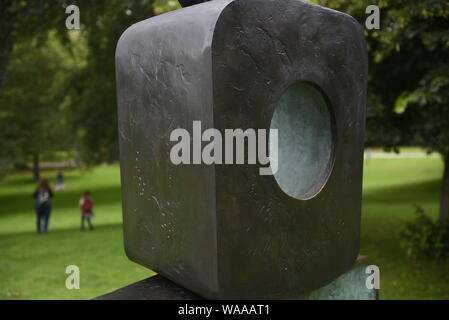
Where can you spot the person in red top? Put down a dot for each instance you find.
(86, 204)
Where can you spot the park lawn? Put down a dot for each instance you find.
(390, 188)
(33, 267)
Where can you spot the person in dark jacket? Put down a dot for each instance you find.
(42, 196)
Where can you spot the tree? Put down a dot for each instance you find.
(408, 78)
(31, 115)
(22, 20)
(93, 107)
(70, 90)
(25, 26)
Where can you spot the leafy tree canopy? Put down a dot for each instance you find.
(408, 77)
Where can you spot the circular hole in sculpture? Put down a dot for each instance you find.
(305, 125)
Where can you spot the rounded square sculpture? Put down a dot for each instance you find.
(225, 231)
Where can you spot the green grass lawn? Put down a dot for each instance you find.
(33, 266)
(391, 187)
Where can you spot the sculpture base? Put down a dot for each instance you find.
(154, 288)
(349, 286)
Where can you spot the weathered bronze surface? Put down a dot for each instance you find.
(224, 231)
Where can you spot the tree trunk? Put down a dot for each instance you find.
(36, 166)
(444, 201)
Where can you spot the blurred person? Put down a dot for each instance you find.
(86, 204)
(59, 181)
(369, 154)
(42, 196)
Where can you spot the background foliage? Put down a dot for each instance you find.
(57, 86)
(423, 238)
(408, 77)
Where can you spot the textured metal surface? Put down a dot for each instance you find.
(224, 231)
(164, 81)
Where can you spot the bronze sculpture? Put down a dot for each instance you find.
(224, 231)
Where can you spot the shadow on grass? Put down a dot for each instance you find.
(23, 178)
(423, 191)
(58, 232)
(67, 199)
